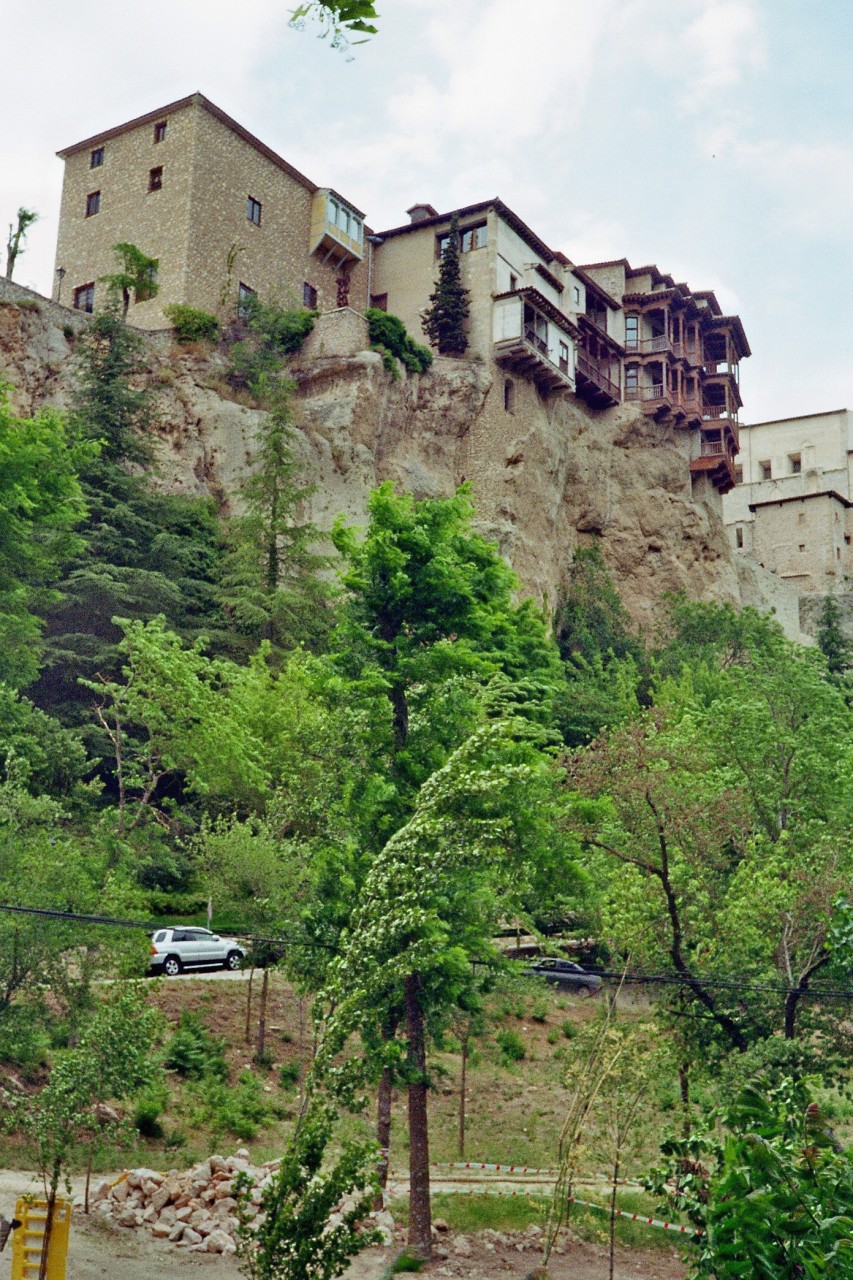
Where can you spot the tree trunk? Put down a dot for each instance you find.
(462, 1082)
(249, 1007)
(420, 1217)
(262, 1018)
(684, 1089)
(383, 1134)
(613, 1215)
(88, 1178)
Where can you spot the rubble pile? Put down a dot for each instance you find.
(193, 1208)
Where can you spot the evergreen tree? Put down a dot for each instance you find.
(272, 585)
(833, 644)
(444, 319)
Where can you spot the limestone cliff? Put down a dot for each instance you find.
(544, 478)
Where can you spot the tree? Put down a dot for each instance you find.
(444, 319)
(17, 237)
(273, 586)
(41, 505)
(137, 276)
(427, 911)
(111, 1061)
(296, 1238)
(833, 643)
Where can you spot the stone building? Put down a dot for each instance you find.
(792, 507)
(224, 215)
(607, 332)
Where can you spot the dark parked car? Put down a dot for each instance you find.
(565, 974)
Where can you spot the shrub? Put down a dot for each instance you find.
(569, 1030)
(388, 335)
(194, 1052)
(274, 333)
(288, 1074)
(191, 324)
(240, 1110)
(511, 1045)
(146, 1115)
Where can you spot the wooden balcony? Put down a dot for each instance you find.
(595, 383)
(716, 461)
(528, 357)
(656, 400)
(535, 340)
(659, 345)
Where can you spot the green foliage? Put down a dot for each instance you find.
(388, 334)
(36, 750)
(511, 1045)
(288, 1074)
(833, 644)
(294, 1240)
(274, 333)
(193, 1052)
(17, 237)
(240, 1109)
(148, 1108)
(191, 324)
(137, 275)
(272, 580)
(444, 318)
(775, 1197)
(339, 19)
(41, 503)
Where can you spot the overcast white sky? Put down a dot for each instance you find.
(713, 137)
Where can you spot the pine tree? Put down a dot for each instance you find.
(444, 319)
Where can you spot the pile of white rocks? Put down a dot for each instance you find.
(194, 1208)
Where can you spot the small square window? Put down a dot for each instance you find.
(309, 296)
(802, 546)
(795, 464)
(738, 475)
(96, 158)
(379, 301)
(739, 536)
(801, 517)
(160, 131)
(155, 178)
(847, 539)
(84, 297)
(244, 300)
(765, 470)
(93, 203)
(513, 282)
(253, 210)
(577, 296)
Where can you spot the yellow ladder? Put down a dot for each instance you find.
(28, 1239)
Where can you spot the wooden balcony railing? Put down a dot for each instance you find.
(649, 394)
(598, 371)
(660, 344)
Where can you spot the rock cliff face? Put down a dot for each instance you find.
(544, 478)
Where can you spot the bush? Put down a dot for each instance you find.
(511, 1045)
(193, 1052)
(288, 1074)
(146, 1114)
(191, 324)
(274, 333)
(388, 335)
(240, 1110)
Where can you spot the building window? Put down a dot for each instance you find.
(244, 300)
(564, 356)
(379, 301)
(347, 221)
(838, 553)
(513, 282)
(253, 210)
(155, 178)
(847, 539)
(801, 518)
(509, 396)
(632, 333)
(765, 470)
(84, 297)
(93, 203)
(309, 296)
(739, 536)
(632, 378)
(795, 464)
(96, 159)
(738, 475)
(160, 131)
(802, 546)
(577, 296)
(470, 238)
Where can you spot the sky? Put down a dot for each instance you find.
(711, 137)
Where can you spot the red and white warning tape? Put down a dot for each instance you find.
(639, 1217)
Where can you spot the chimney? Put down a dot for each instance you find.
(420, 212)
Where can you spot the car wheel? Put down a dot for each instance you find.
(172, 966)
(584, 993)
(232, 960)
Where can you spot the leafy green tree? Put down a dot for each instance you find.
(41, 505)
(111, 1061)
(137, 275)
(274, 583)
(145, 553)
(339, 19)
(17, 238)
(295, 1238)
(444, 318)
(833, 644)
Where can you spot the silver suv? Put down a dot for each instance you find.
(175, 949)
